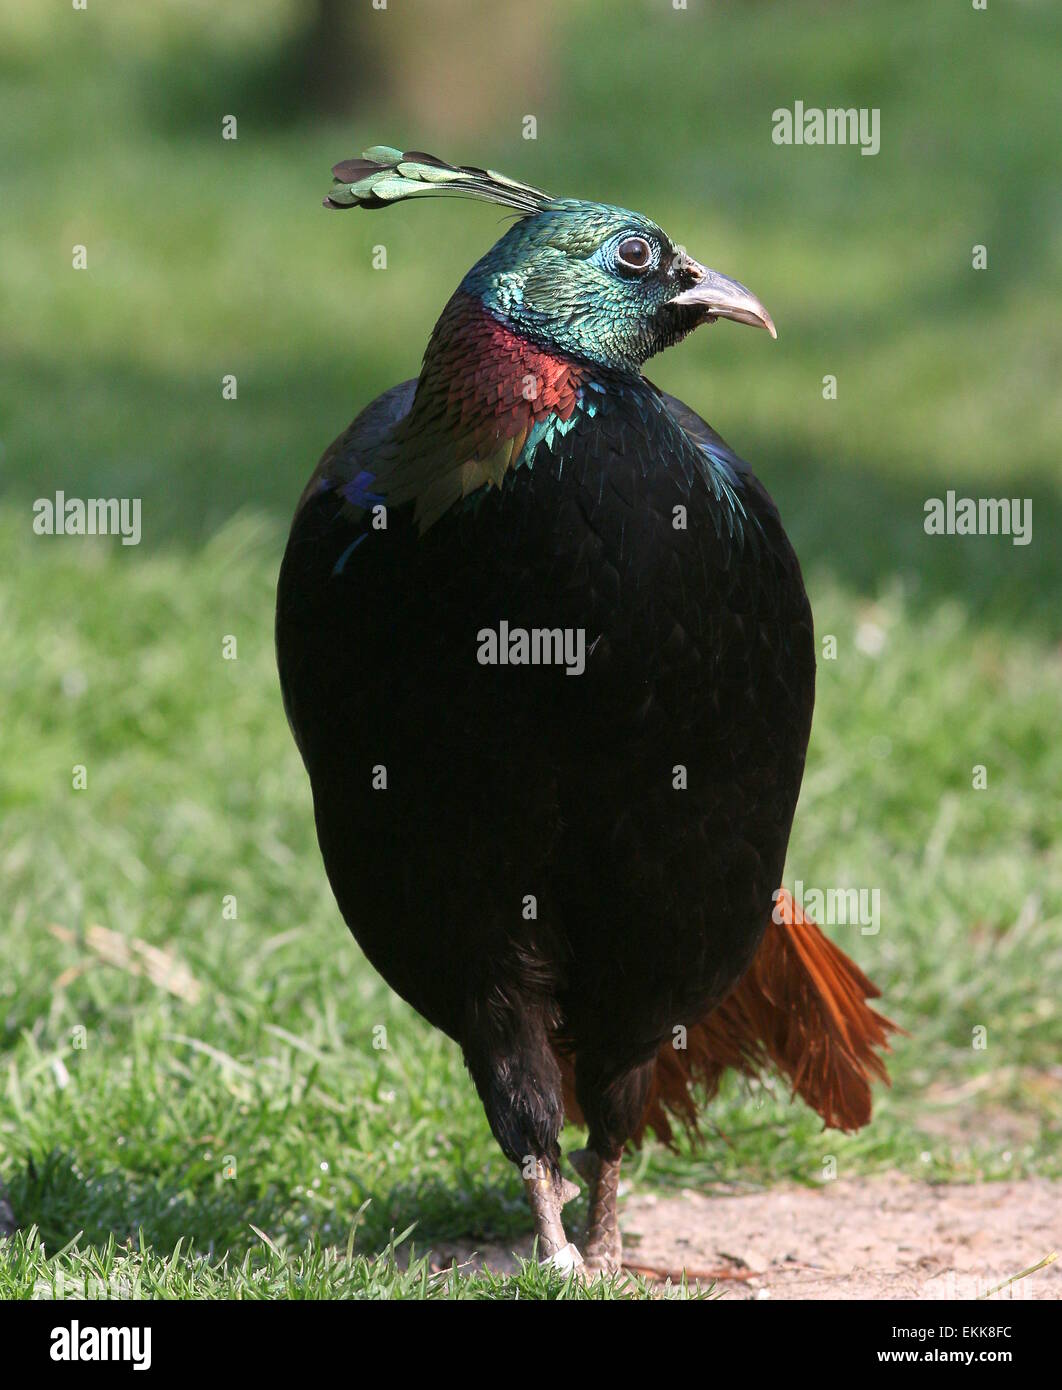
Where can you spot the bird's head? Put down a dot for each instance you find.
(595, 281)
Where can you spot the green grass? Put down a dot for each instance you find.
(315, 1271)
(156, 1150)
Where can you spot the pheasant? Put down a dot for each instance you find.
(548, 658)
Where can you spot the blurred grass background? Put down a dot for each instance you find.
(263, 1101)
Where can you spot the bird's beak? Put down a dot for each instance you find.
(717, 297)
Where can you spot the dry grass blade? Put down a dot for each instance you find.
(1042, 1264)
(135, 957)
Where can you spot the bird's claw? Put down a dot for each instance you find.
(566, 1259)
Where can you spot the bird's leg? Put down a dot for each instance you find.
(547, 1193)
(518, 1078)
(612, 1093)
(602, 1248)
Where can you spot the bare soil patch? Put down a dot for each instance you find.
(884, 1237)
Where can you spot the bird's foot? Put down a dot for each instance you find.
(603, 1256)
(547, 1193)
(566, 1259)
(603, 1247)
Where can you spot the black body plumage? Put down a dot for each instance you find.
(644, 805)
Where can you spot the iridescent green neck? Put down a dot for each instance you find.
(546, 278)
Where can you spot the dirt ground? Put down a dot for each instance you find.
(885, 1237)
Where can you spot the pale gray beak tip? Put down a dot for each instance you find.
(722, 298)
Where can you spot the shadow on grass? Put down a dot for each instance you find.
(491, 1208)
(61, 1197)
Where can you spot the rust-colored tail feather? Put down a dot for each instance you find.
(801, 1008)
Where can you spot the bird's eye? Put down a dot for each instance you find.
(634, 253)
